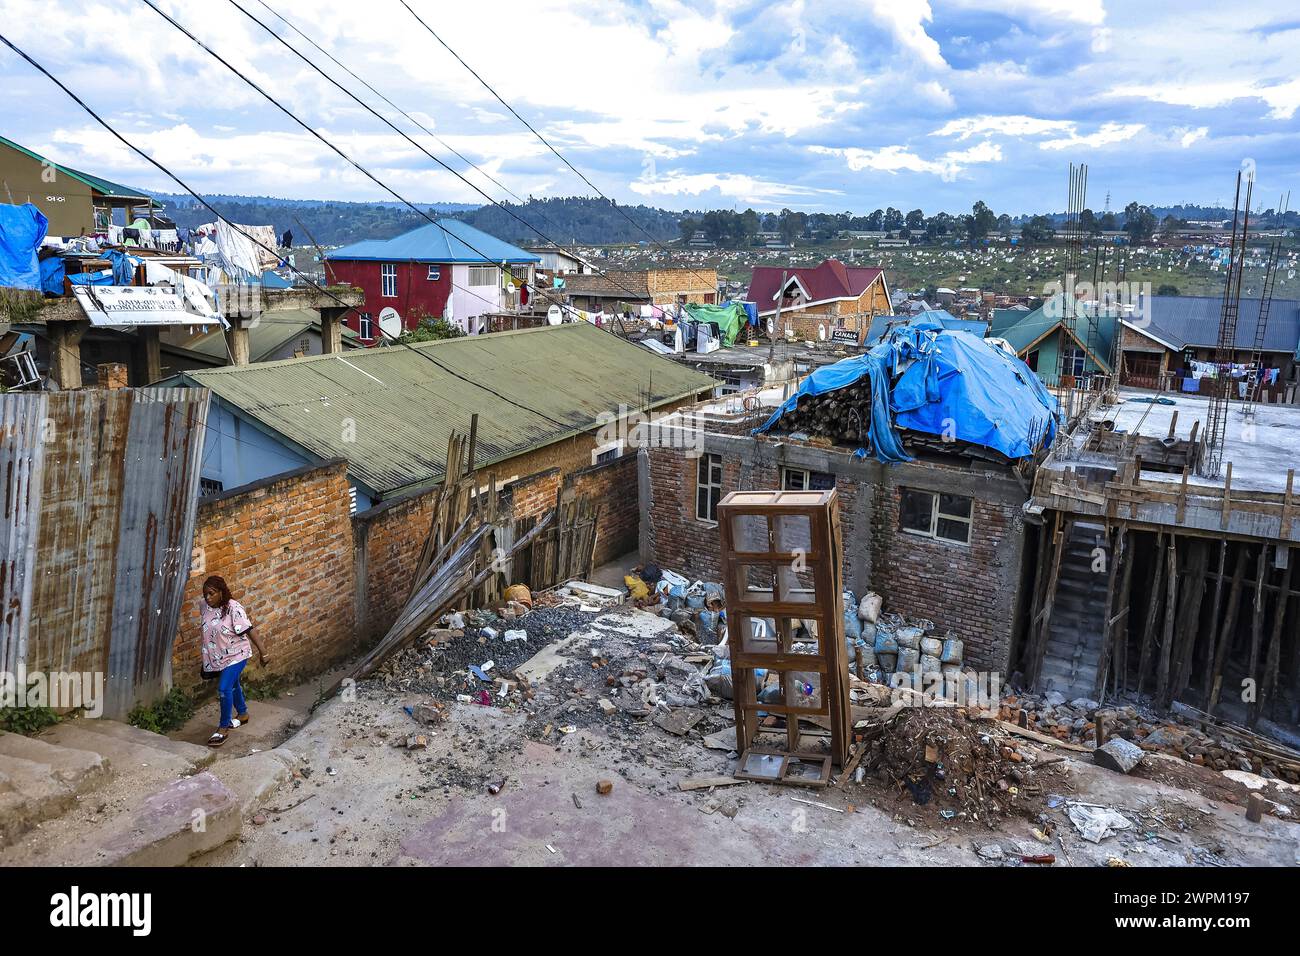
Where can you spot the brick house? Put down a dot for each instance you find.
(817, 300)
(422, 272)
(622, 289)
(940, 540)
(544, 397)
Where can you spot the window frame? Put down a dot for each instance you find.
(806, 479)
(387, 272)
(479, 270)
(937, 515)
(711, 487)
(365, 326)
(434, 274)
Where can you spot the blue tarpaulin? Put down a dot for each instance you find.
(52, 272)
(21, 230)
(927, 379)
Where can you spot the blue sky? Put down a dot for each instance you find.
(810, 104)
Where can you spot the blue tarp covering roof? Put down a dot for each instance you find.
(449, 240)
(941, 318)
(928, 379)
(21, 230)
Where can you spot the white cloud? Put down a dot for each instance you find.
(906, 20)
(743, 188)
(897, 158)
(1107, 134)
(1186, 137)
(1005, 125)
(1283, 99)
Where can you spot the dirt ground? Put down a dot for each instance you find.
(517, 784)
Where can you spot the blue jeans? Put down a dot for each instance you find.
(229, 691)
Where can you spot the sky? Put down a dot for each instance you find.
(819, 105)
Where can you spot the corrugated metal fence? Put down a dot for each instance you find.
(99, 492)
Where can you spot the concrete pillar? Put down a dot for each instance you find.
(112, 375)
(150, 353)
(65, 351)
(237, 341)
(331, 330)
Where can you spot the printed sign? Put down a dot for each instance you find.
(115, 305)
(844, 336)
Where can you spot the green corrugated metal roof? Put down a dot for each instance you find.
(100, 185)
(272, 331)
(530, 388)
(1037, 323)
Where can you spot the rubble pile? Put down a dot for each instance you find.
(964, 765)
(1195, 741)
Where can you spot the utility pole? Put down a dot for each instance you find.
(776, 323)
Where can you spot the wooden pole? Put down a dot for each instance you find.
(1256, 632)
(1273, 658)
(1214, 619)
(1103, 661)
(1189, 625)
(1153, 610)
(1165, 659)
(1228, 630)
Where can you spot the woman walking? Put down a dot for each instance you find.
(227, 644)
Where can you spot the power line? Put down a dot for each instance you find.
(394, 128)
(323, 290)
(487, 86)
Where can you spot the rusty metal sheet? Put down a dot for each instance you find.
(113, 531)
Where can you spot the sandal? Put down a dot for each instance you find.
(216, 740)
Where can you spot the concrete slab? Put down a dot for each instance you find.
(254, 778)
(79, 770)
(29, 793)
(124, 755)
(196, 754)
(183, 820)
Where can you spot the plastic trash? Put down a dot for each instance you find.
(886, 642)
(952, 651)
(1096, 823)
(909, 637)
(517, 635)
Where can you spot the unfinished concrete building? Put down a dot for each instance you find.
(1152, 578)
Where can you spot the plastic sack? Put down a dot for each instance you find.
(952, 651)
(886, 642)
(869, 608)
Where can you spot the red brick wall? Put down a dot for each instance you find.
(284, 547)
(612, 485)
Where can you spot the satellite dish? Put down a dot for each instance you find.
(770, 326)
(390, 323)
(554, 315)
(821, 332)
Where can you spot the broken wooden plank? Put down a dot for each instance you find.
(705, 783)
(1042, 738)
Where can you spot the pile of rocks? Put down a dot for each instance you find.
(1075, 721)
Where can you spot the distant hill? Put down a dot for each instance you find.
(329, 223)
(576, 219)
(566, 220)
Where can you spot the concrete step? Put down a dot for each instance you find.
(79, 770)
(186, 818)
(197, 754)
(125, 756)
(29, 793)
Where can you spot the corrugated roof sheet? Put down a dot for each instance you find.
(449, 240)
(100, 185)
(272, 330)
(1183, 320)
(530, 388)
(1096, 337)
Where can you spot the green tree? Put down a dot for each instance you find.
(915, 220)
(980, 222)
(1038, 229)
(1139, 222)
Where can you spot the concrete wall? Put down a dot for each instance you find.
(972, 590)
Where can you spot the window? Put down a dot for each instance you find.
(606, 453)
(482, 275)
(935, 515)
(209, 487)
(388, 280)
(1189, 356)
(605, 456)
(434, 273)
(1074, 362)
(352, 499)
(708, 487)
(367, 329)
(1032, 361)
(797, 479)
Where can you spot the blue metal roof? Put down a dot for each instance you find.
(447, 240)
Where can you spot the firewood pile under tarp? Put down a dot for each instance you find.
(924, 387)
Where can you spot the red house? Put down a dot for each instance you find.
(448, 269)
